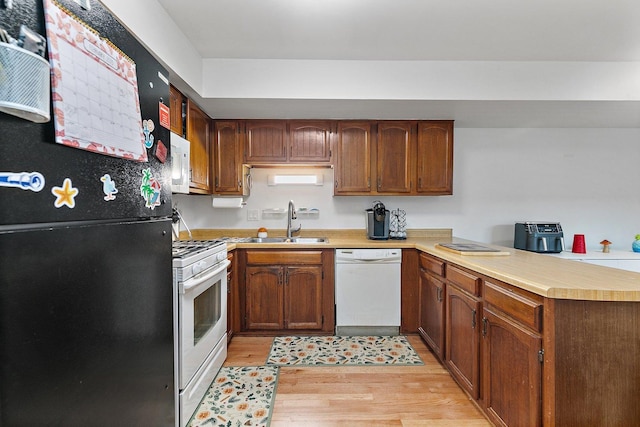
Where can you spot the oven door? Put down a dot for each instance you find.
(202, 318)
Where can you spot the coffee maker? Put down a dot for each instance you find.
(542, 237)
(377, 222)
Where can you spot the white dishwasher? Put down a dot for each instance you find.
(368, 291)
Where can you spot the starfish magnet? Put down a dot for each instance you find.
(65, 195)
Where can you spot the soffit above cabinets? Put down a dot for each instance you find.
(205, 44)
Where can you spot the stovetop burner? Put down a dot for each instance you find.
(181, 248)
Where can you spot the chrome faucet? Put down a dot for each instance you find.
(291, 215)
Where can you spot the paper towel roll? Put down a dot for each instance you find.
(228, 202)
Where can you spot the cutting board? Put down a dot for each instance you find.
(470, 249)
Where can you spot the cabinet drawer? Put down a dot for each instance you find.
(521, 308)
(284, 257)
(467, 281)
(432, 264)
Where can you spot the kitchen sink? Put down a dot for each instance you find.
(267, 240)
(309, 240)
(285, 240)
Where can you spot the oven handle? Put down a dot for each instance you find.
(199, 280)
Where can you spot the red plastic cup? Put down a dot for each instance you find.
(579, 247)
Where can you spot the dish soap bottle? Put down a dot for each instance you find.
(636, 244)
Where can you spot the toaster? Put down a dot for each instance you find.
(542, 237)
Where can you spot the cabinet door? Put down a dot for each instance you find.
(394, 157)
(228, 158)
(432, 300)
(176, 110)
(434, 157)
(264, 298)
(310, 141)
(303, 297)
(198, 129)
(512, 371)
(462, 341)
(266, 141)
(353, 158)
(233, 324)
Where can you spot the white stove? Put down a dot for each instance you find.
(191, 257)
(183, 250)
(200, 285)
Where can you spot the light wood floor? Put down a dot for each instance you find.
(362, 396)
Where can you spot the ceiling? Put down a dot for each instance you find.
(426, 30)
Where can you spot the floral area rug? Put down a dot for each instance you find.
(238, 396)
(342, 350)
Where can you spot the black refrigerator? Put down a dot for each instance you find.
(86, 298)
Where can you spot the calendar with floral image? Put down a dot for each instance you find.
(96, 106)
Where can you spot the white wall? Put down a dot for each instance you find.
(587, 179)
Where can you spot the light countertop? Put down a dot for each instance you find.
(548, 276)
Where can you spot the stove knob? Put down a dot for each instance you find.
(198, 267)
(221, 256)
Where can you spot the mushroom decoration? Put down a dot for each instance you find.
(605, 245)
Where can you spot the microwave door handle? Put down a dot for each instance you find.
(223, 267)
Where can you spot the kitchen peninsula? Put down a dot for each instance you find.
(570, 331)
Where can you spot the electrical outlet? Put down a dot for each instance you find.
(253, 215)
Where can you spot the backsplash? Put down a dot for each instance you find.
(588, 183)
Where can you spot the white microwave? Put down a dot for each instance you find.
(180, 171)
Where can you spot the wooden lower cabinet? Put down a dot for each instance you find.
(233, 312)
(288, 291)
(511, 371)
(432, 311)
(284, 297)
(303, 297)
(462, 355)
(529, 360)
(264, 297)
(591, 369)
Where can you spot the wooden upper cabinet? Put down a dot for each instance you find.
(266, 141)
(435, 158)
(284, 141)
(198, 131)
(176, 101)
(412, 158)
(310, 141)
(228, 167)
(353, 158)
(394, 148)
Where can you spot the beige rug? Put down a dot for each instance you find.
(342, 350)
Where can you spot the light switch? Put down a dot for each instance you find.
(253, 215)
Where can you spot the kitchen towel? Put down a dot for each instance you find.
(228, 202)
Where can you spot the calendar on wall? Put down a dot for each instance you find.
(96, 106)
